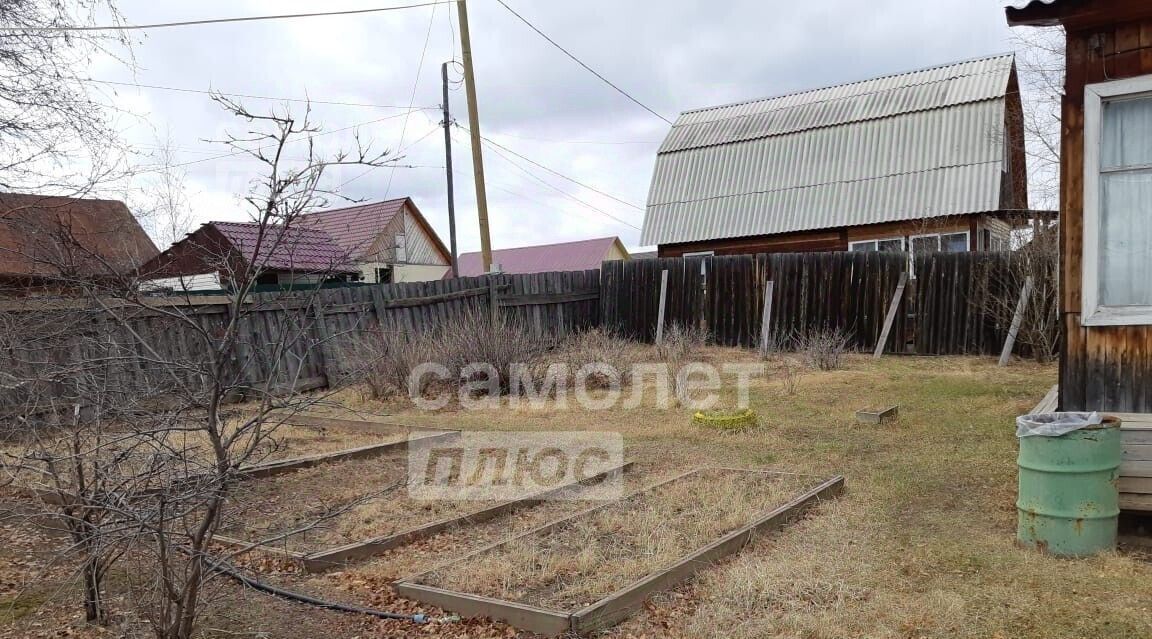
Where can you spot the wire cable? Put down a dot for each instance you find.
(581, 63)
(189, 23)
(562, 192)
(255, 97)
(557, 173)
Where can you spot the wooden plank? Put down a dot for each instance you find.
(1048, 404)
(248, 546)
(280, 467)
(1136, 469)
(663, 302)
(1137, 452)
(766, 319)
(621, 604)
(535, 299)
(325, 560)
(1137, 485)
(358, 425)
(893, 307)
(1017, 320)
(1136, 502)
(541, 621)
(877, 416)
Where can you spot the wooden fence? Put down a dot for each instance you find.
(945, 310)
(725, 295)
(128, 353)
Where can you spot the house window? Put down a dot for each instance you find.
(700, 254)
(384, 275)
(940, 243)
(1117, 203)
(892, 244)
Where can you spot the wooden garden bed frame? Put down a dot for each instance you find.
(327, 559)
(618, 605)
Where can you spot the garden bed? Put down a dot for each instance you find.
(591, 570)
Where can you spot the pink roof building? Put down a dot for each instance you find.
(544, 258)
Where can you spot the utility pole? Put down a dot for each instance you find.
(448, 164)
(474, 127)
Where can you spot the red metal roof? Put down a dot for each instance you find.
(355, 228)
(40, 235)
(306, 250)
(566, 256)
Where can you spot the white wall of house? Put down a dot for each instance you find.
(418, 272)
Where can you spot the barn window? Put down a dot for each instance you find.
(1117, 203)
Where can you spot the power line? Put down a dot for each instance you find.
(189, 23)
(559, 190)
(603, 142)
(395, 166)
(581, 63)
(254, 97)
(559, 174)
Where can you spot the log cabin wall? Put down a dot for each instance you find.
(1102, 368)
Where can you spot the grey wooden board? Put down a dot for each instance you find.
(1048, 403)
(620, 605)
(877, 416)
(1135, 502)
(1130, 436)
(1136, 469)
(317, 562)
(358, 425)
(273, 468)
(541, 621)
(1017, 320)
(616, 605)
(1138, 485)
(890, 317)
(1137, 452)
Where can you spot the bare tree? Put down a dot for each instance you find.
(132, 436)
(49, 116)
(1040, 61)
(162, 205)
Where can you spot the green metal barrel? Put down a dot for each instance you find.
(1069, 502)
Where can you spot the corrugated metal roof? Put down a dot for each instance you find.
(566, 256)
(920, 144)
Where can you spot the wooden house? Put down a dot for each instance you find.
(927, 160)
(1106, 219)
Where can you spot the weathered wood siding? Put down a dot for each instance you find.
(1103, 368)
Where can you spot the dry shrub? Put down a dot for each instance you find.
(384, 360)
(790, 374)
(598, 346)
(681, 342)
(823, 349)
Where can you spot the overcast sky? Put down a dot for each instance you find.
(673, 55)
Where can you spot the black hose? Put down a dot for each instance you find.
(255, 584)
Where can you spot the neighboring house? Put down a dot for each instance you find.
(60, 242)
(1106, 208)
(391, 241)
(214, 254)
(646, 255)
(926, 160)
(546, 258)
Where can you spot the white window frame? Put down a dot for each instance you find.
(700, 254)
(878, 240)
(1092, 313)
(966, 233)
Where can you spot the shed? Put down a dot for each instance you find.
(1106, 218)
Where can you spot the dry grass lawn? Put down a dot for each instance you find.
(592, 556)
(920, 545)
